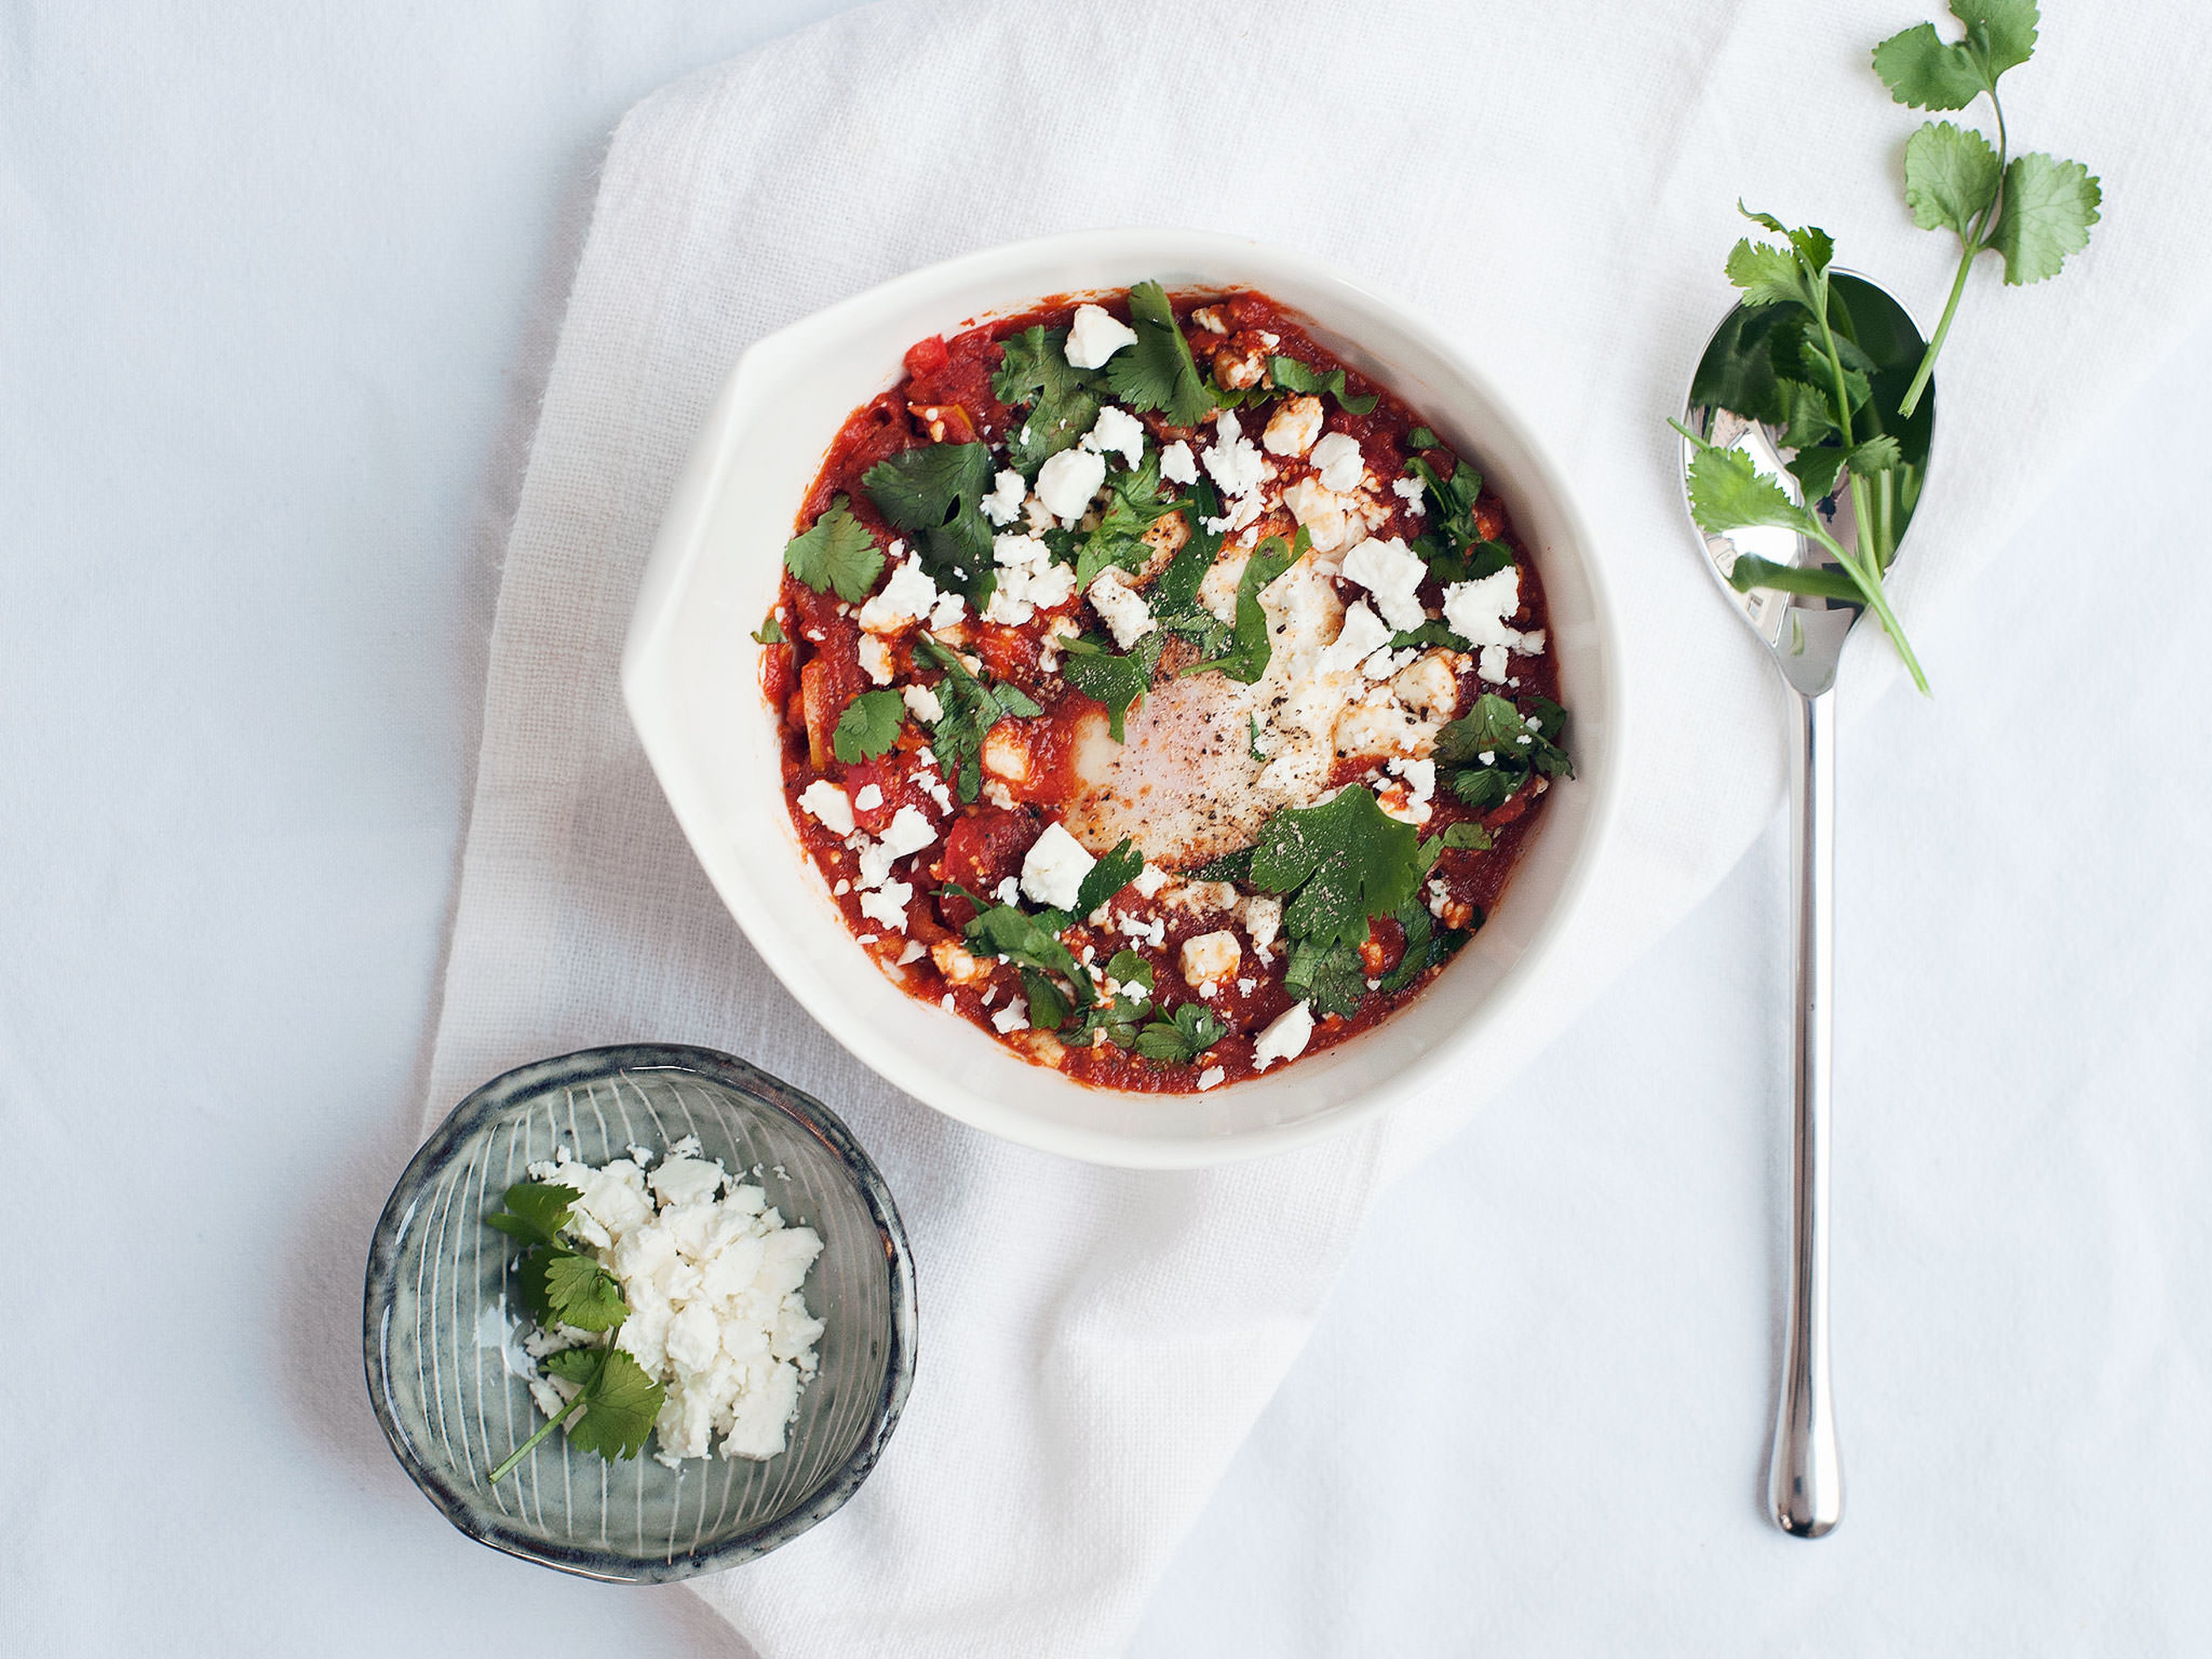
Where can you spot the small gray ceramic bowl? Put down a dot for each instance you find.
(442, 1337)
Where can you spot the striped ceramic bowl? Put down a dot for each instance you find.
(441, 1331)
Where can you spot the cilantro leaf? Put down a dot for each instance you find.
(1133, 506)
(1423, 946)
(837, 552)
(1428, 636)
(1344, 861)
(1246, 659)
(1028, 941)
(1727, 492)
(1293, 375)
(1465, 836)
(869, 725)
(536, 1213)
(971, 707)
(1451, 503)
(1768, 275)
(1492, 751)
(2049, 206)
(1330, 975)
(1114, 679)
(1950, 177)
(580, 1292)
(1046, 1004)
(1107, 878)
(1922, 69)
(616, 1400)
(1063, 399)
(1174, 603)
(934, 492)
(1181, 1037)
(1158, 372)
(1421, 438)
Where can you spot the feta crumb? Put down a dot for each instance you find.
(1477, 610)
(1420, 776)
(1409, 491)
(1492, 664)
(1294, 427)
(907, 597)
(1095, 336)
(876, 658)
(1263, 921)
(1004, 504)
(1014, 1017)
(921, 702)
(1117, 432)
(1209, 1079)
(1392, 571)
(1363, 634)
(1177, 465)
(1068, 481)
(1338, 460)
(1209, 958)
(914, 952)
(947, 610)
(1028, 580)
(1122, 606)
(1233, 459)
(908, 832)
(829, 804)
(1150, 880)
(1009, 891)
(1054, 868)
(887, 904)
(869, 798)
(1285, 1038)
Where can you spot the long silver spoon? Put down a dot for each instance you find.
(1805, 635)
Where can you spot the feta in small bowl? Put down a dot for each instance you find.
(461, 1371)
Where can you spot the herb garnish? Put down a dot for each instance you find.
(971, 708)
(1034, 371)
(770, 632)
(1343, 863)
(1158, 372)
(1133, 506)
(837, 552)
(1246, 659)
(1794, 359)
(1107, 877)
(563, 1285)
(1292, 376)
(935, 492)
(1112, 677)
(1181, 1037)
(1493, 749)
(869, 725)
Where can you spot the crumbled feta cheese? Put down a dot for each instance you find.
(1211, 1078)
(1117, 432)
(1209, 958)
(1004, 504)
(1429, 684)
(947, 610)
(1068, 481)
(714, 1284)
(958, 964)
(914, 952)
(1263, 919)
(908, 832)
(1363, 634)
(1028, 580)
(1150, 880)
(1122, 606)
(1338, 461)
(1014, 1017)
(887, 904)
(1321, 514)
(1294, 427)
(1392, 571)
(1233, 459)
(1095, 336)
(1409, 491)
(909, 596)
(1477, 610)
(876, 658)
(1420, 776)
(921, 702)
(829, 804)
(869, 798)
(1054, 869)
(1492, 664)
(1009, 890)
(1285, 1038)
(1177, 465)
(1385, 664)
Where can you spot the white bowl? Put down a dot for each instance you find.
(691, 677)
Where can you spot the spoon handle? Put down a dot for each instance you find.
(1805, 1489)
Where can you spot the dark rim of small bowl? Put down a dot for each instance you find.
(459, 1505)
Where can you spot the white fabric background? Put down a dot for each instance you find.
(262, 374)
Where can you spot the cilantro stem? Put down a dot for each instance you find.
(1869, 584)
(575, 1408)
(1975, 246)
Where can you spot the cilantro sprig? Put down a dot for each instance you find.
(1797, 358)
(934, 492)
(1246, 657)
(836, 551)
(972, 706)
(562, 1284)
(1492, 751)
(869, 726)
(1115, 678)
(1293, 375)
(1133, 505)
(1158, 372)
(1062, 400)
(1181, 1037)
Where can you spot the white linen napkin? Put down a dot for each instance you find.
(1557, 186)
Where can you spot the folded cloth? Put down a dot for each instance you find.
(1555, 186)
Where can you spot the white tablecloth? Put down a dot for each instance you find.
(264, 283)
